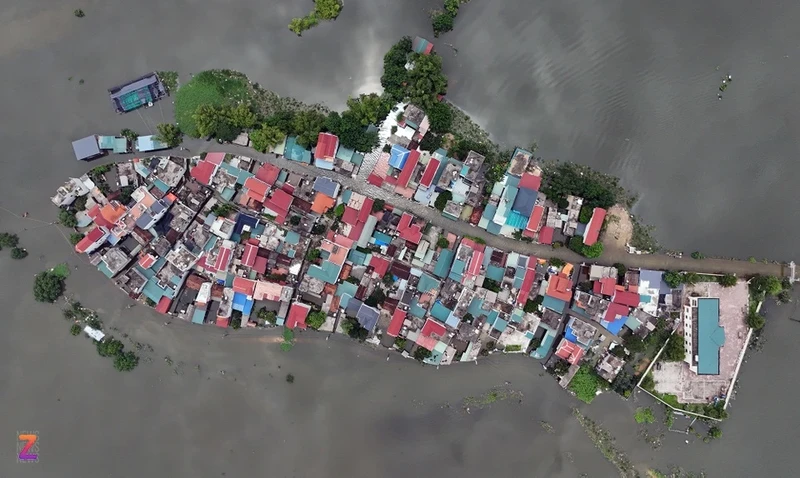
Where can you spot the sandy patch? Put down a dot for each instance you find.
(619, 228)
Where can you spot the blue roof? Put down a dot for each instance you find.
(244, 220)
(367, 316)
(494, 228)
(440, 312)
(524, 202)
(500, 324)
(475, 307)
(554, 304)
(239, 300)
(444, 263)
(382, 239)
(570, 335)
(149, 143)
(326, 186)
(547, 344)
(655, 279)
(615, 326)
(398, 156)
(710, 336)
(517, 220)
(322, 164)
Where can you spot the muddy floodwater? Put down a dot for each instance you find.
(628, 87)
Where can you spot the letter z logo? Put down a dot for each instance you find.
(28, 446)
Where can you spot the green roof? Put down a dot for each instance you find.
(440, 312)
(444, 263)
(357, 257)
(345, 154)
(292, 237)
(495, 273)
(427, 282)
(710, 336)
(328, 272)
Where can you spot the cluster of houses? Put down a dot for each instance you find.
(94, 146)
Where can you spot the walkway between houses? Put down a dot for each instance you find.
(645, 261)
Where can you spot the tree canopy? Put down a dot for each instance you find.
(307, 126)
(442, 22)
(425, 81)
(266, 137)
(169, 134)
(765, 286)
(316, 319)
(440, 116)
(597, 189)
(728, 280)
(47, 287)
(674, 351)
(394, 70)
(352, 134)
(584, 384)
(634, 343)
(441, 200)
(368, 109)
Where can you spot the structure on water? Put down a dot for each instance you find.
(143, 91)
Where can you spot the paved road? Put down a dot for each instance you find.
(647, 261)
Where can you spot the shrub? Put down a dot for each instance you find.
(126, 361)
(648, 383)
(290, 378)
(169, 134)
(18, 253)
(594, 251)
(216, 88)
(442, 199)
(442, 242)
(75, 329)
(286, 346)
(316, 319)
(728, 280)
(169, 79)
(422, 353)
(288, 334)
(442, 22)
(585, 384)
(8, 240)
(755, 320)
(674, 351)
(378, 205)
(79, 13)
(644, 415)
(715, 432)
(697, 255)
(267, 315)
(556, 262)
(67, 218)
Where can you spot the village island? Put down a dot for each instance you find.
(400, 224)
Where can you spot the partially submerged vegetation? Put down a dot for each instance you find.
(497, 394)
(323, 10)
(606, 443)
(586, 384)
(444, 20)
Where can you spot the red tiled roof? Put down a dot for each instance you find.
(631, 299)
(260, 264)
(374, 179)
(249, 256)
(569, 351)
(203, 172)
(615, 311)
(530, 181)
(546, 235)
(593, 228)
(350, 216)
(257, 188)
(279, 203)
(475, 263)
(408, 169)
(430, 334)
(366, 210)
(527, 284)
(473, 245)
(89, 239)
(430, 172)
(326, 146)
(244, 286)
(380, 265)
(98, 218)
(223, 321)
(223, 259)
(268, 173)
(146, 261)
(560, 287)
(605, 286)
(535, 219)
(215, 158)
(297, 315)
(407, 231)
(163, 305)
(397, 323)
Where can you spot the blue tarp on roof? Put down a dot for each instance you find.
(398, 156)
(382, 239)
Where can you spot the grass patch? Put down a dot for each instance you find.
(585, 384)
(211, 87)
(644, 415)
(61, 271)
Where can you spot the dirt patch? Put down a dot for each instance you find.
(619, 228)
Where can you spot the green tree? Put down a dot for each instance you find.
(421, 353)
(715, 432)
(18, 253)
(294, 220)
(673, 279)
(307, 125)
(765, 286)
(283, 121)
(728, 280)
(289, 378)
(388, 279)
(674, 351)
(594, 251)
(129, 134)
(75, 329)
(556, 262)
(109, 347)
(67, 218)
(267, 315)
(451, 6)
(697, 255)
(395, 74)
(242, 116)
(559, 368)
(169, 79)
(621, 269)
(169, 134)
(441, 200)
(425, 80)
(442, 22)
(338, 211)
(431, 142)
(313, 254)
(648, 383)
(443, 242)
(210, 118)
(585, 215)
(634, 343)
(368, 109)
(8, 240)
(378, 205)
(47, 287)
(784, 296)
(440, 116)
(350, 131)
(316, 319)
(576, 244)
(288, 335)
(126, 361)
(266, 137)
(327, 9)
(375, 299)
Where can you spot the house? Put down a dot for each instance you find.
(559, 292)
(92, 240)
(298, 312)
(71, 190)
(86, 148)
(278, 205)
(113, 143)
(325, 152)
(143, 91)
(610, 366)
(145, 144)
(408, 231)
(593, 228)
(396, 325)
(421, 46)
(569, 351)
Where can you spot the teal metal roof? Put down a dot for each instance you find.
(710, 336)
(554, 304)
(120, 145)
(516, 220)
(444, 263)
(475, 307)
(356, 257)
(457, 270)
(440, 312)
(357, 159)
(345, 154)
(495, 273)
(632, 323)
(198, 316)
(102, 267)
(292, 237)
(295, 152)
(227, 193)
(493, 315)
(428, 282)
(106, 142)
(417, 311)
(328, 272)
(547, 344)
(494, 228)
(161, 185)
(500, 324)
